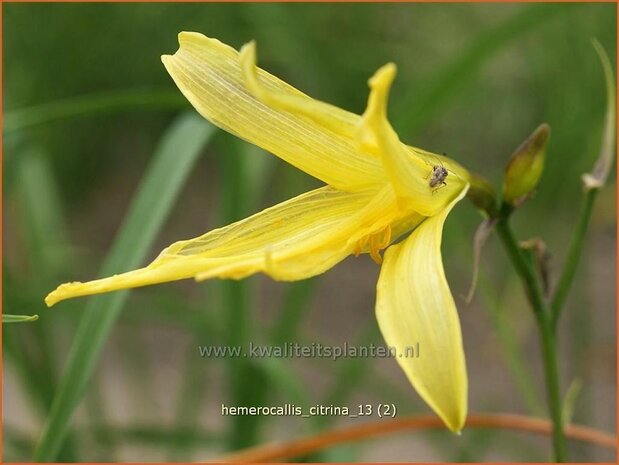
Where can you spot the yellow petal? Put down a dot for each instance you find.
(409, 169)
(209, 74)
(414, 305)
(328, 116)
(296, 239)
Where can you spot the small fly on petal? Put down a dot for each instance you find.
(377, 190)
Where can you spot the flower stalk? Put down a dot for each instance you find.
(592, 183)
(573, 257)
(532, 287)
(530, 155)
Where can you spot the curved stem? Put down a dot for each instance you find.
(549, 349)
(573, 257)
(297, 447)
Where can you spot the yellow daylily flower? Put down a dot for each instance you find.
(377, 190)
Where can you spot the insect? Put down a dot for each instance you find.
(437, 177)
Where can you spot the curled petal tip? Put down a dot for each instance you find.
(247, 59)
(376, 112)
(188, 35)
(50, 300)
(248, 51)
(384, 76)
(227, 88)
(59, 293)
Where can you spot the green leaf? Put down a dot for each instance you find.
(19, 318)
(46, 232)
(173, 160)
(89, 105)
(597, 178)
(47, 251)
(419, 105)
(292, 310)
(494, 305)
(593, 182)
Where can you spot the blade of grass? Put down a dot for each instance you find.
(18, 318)
(133, 362)
(254, 181)
(138, 434)
(188, 408)
(14, 344)
(173, 160)
(348, 377)
(46, 230)
(289, 32)
(474, 447)
(293, 308)
(593, 182)
(192, 393)
(154, 436)
(162, 309)
(246, 381)
(351, 371)
(90, 105)
(427, 101)
(582, 336)
(48, 250)
(512, 354)
(47, 253)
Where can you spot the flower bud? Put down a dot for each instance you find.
(525, 167)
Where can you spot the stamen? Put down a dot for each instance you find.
(361, 245)
(375, 251)
(357, 250)
(378, 241)
(386, 237)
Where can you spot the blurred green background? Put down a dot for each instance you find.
(87, 110)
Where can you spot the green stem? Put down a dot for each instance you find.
(549, 348)
(573, 257)
(523, 268)
(553, 388)
(247, 384)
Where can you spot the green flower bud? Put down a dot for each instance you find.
(525, 167)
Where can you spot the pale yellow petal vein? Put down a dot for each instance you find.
(409, 169)
(209, 75)
(296, 239)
